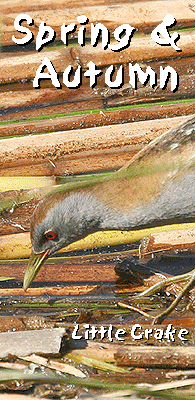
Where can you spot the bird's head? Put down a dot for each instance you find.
(57, 221)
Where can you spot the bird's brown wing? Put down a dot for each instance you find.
(164, 163)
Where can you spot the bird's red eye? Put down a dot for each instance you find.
(50, 235)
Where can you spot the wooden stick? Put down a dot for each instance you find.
(156, 357)
(99, 119)
(143, 49)
(56, 146)
(142, 15)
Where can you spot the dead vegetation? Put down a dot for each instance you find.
(50, 132)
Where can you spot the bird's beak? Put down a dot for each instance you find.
(34, 265)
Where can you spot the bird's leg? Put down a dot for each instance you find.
(190, 277)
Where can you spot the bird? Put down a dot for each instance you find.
(156, 188)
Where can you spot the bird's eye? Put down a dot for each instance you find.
(50, 235)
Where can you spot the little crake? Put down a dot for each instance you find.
(156, 188)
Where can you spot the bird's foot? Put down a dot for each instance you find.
(188, 277)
